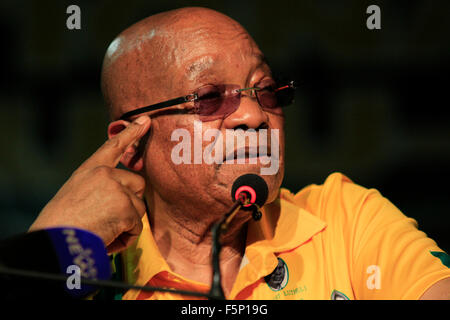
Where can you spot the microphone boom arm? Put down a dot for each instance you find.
(216, 291)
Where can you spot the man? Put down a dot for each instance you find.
(337, 240)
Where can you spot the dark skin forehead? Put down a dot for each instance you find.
(213, 70)
(164, 55)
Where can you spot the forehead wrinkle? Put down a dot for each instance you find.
(211, 72)
(199, 67)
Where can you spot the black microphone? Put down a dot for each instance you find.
(251, 187)
(65, 255)
(249, 192)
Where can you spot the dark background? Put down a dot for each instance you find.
(372, 103)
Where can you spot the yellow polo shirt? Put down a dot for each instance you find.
(332, 241)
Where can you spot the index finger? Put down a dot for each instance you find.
(111, 151)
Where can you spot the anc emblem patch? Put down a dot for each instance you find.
(279, 278)
(337, 295)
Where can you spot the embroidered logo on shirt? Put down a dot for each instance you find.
(279, 278)
(337, 295)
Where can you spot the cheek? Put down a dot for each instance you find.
(162, 158)
(157, 157)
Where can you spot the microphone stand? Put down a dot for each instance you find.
(94, 282)
(216, 291)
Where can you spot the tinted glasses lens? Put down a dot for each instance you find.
(274, 96)
(217, 101)
(267, 98)
(266, 95)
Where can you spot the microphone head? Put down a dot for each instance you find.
(253, 185)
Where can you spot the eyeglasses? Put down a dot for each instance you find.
(213, 102)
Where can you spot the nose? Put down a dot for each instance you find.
(249, 115)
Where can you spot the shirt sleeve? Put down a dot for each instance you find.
(391, 258)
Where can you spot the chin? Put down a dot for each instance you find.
(226, 174)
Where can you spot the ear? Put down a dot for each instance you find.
(131, 158)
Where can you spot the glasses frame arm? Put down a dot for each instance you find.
(160, 105)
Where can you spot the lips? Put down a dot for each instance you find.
(247, 153)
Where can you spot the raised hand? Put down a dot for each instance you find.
(100, 198)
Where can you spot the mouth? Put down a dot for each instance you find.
(246, 154)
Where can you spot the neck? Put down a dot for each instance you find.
(185, 241)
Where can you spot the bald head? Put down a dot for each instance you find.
(146, 63)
